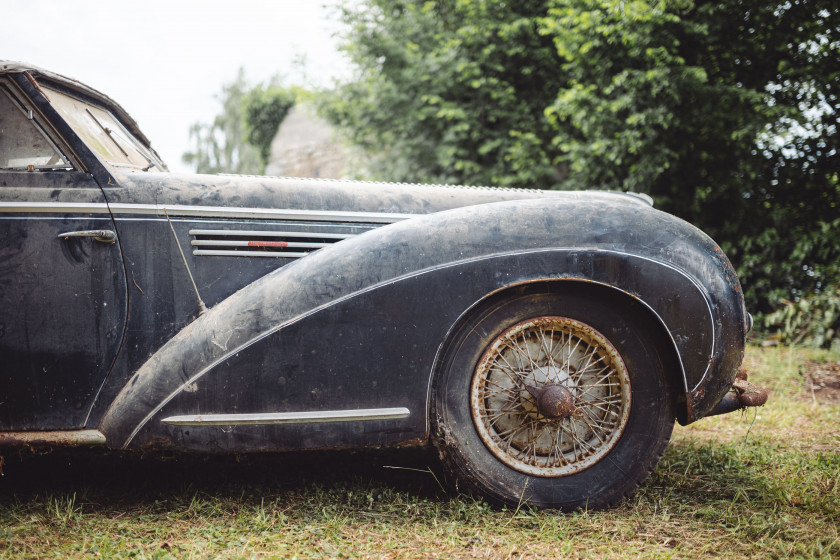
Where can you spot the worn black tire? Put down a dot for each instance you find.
(633, 452)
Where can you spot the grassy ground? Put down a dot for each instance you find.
(762, 485)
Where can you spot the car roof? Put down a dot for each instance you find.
(13, 67)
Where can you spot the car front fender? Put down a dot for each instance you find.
(356, 326)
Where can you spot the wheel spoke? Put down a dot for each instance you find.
(501, 389)
(608, 400)
(545, 348)
(596, 429)
(519, 376)
(516, 349)
(567, 363)
(557, 450)
(595, 384)
(590, 363)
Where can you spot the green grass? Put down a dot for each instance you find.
(762, 484)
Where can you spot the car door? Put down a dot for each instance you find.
(62, 280)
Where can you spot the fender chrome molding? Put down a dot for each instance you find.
(269, 418)
(209, 367)
(203, 212)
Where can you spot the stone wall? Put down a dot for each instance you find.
(307, 146)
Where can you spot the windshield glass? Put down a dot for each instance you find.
(102, 132)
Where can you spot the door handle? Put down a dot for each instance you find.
(102, 235)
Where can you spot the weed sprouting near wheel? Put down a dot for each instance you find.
(553, 399)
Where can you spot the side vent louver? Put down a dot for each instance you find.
(286, 244)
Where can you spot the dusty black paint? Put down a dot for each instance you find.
(63, 304)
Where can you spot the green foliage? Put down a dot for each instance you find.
(264, 110)
(813, 320)
(450, 91)
(239, 138)
(724, 111)
(220, 147)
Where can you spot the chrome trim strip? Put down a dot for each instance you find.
(203, 211)
(68, 438)
(247, 243)
(54, 207)
(252, 233)
(223, 253)
(260, 213)
(271, 418)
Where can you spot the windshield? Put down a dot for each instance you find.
(103, 133)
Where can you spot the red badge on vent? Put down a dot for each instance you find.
(267, 244)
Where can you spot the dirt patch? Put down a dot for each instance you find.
(822, 381)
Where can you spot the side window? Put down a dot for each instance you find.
(23, 146)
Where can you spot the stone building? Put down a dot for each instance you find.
(307, 146)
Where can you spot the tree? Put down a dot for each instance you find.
(724, 111)
(220, 147)
(264, 110)
(451, 92)
(239, 138)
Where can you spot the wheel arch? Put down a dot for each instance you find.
(664, 341)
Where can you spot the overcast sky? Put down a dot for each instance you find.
(164, 61)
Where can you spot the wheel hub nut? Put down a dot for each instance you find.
(553, 400)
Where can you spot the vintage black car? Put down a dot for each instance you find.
(543, 342)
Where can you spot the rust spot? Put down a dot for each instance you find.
(35, 85)
(69, 438)
(417, 442)
(162, 443)
(749, 394)
(553, 400)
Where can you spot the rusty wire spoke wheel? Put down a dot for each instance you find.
(550, 396)
(557, 398)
